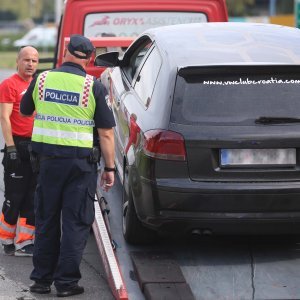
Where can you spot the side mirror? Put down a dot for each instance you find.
(109, 59)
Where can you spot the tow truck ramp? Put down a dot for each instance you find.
(106, 249)
(158, 274)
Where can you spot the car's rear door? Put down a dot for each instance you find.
(131, 87)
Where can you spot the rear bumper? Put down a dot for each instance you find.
(220, 208)
(180, 225)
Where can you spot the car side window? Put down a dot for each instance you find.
(136, 59)
(146, 78)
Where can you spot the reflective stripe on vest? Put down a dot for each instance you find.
(41, 84)
(59, 134)
(86, 90)
(65, 108)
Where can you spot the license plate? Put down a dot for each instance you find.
(258, 157)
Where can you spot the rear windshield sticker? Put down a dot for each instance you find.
(248, 81)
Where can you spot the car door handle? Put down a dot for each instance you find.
(118, 98)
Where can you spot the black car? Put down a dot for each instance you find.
(208, 129)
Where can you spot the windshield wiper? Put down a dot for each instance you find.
(276, 120)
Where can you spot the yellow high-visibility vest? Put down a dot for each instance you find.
(65, 107)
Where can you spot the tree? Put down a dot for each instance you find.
(7, 15)
(238, 8)
(47, 14)
(285, 6)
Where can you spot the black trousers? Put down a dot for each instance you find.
(19, 194)
(19, 185)
(64, 208)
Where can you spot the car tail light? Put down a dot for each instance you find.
(164, 144)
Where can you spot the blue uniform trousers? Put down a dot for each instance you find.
(64, 208)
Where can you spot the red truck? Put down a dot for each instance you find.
(118, 22)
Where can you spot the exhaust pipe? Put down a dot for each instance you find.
(201, 232)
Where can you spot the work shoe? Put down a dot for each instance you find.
(71, 291)
(39, 288)
(25, 251)
(9, 249)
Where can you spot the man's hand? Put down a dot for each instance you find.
(107, 180)
(107, 144)
(11, 158)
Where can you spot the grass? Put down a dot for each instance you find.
(8, 59)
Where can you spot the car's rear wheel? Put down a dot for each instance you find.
(133, 230)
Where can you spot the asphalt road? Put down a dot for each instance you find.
(15, 271)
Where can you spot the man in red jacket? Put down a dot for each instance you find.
(19, 180)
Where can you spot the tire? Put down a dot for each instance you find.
(133, 230)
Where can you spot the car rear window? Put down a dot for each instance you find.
(236, 96)
(134, 23)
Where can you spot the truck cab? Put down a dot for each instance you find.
(123, 19)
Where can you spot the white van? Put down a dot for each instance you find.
(40, 36)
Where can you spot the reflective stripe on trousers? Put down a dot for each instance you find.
(25, 235)
(7, 231)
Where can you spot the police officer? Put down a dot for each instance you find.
(68, 104)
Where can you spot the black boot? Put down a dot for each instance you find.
(71, 291)
(40, 288)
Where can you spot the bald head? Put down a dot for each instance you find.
(27, 62)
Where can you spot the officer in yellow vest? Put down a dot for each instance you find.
(69, 105)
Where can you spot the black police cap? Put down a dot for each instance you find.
(82, 44)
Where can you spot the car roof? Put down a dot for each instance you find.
(203, 44)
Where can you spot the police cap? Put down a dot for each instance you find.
(79, 43)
